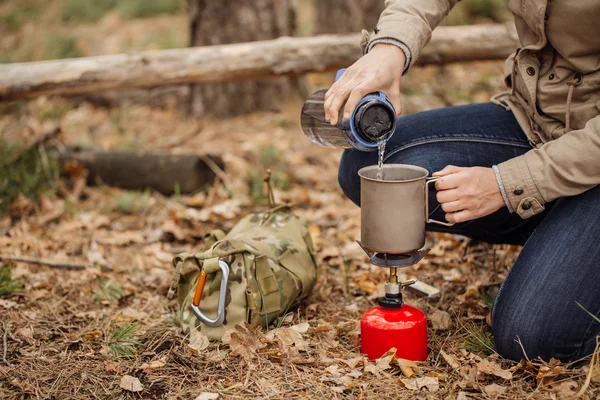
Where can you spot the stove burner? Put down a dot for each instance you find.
(395, 260)
(398, 260)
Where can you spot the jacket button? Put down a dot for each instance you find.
(526, 205)
(518, 191)
(551, 76)
(531, 71)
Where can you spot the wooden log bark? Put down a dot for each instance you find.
(222, 63)
(161, 172)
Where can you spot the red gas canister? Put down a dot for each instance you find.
(405, 328)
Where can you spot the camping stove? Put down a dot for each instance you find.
(392, 323)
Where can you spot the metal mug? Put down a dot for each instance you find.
(394, 210)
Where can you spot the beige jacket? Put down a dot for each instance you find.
(554, 91)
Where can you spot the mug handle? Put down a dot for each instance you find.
(427, 219)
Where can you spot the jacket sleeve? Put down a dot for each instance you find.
(566, 166)
(411, 22)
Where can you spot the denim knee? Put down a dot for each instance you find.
(519, 331)
(348, 178)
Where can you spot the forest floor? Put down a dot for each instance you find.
(108, 331)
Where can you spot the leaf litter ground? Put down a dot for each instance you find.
(108, 331)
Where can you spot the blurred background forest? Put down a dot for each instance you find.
(87, 317)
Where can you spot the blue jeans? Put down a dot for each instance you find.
(559, 264)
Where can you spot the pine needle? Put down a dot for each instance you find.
(478, 340)
(109, 291)
(124, 340)
(584, 309)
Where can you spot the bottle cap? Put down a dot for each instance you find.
(374, 121)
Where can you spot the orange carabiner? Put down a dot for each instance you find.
(199, 289)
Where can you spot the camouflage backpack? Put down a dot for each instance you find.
(262, 268)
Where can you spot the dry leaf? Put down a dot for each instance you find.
(333, 370)
(462, 396)
(207, 396)
(492, 368)
(156, 364)
(243, 341)
(113, 367)
(450, 359)
(169, 226)
(131, 384)
(494, 390)
(228, 209)
(470, 297)
(406, 363)
(432, 384)
(566, 389)
(353, 362)
(198, 341)
(93, 335)
(300, 328)
(115, 238)
(547, 375)
(323, 327)
(440, 320)
(384, 361)
(289, 337)
(8, 304)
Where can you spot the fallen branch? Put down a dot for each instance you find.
(43, 261)
(159, 171)
(253, 60)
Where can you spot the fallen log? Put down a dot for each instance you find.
(253, 60)
(164, 173)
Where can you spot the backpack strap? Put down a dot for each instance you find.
(178, 262)
(267, 283)
(213, 237)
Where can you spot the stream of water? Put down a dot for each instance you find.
(381, 150)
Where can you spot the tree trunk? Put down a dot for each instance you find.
(345, 16)
(233, 21)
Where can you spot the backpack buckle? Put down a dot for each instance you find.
(220, 318)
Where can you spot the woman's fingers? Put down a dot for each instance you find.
(448, 169)
(452, 206)
(451, 181)
(357, 93)
(460, 216)
(446, 196)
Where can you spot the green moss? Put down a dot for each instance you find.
(146, 8)
(62, 46)
(18, 14)
(132, 202)
(86, 10)
(8, 285)
(25, 171)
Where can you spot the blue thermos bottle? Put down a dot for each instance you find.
(372, 121)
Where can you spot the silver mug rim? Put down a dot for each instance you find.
(363, 170)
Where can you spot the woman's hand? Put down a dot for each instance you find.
(468, 193)
(378, 70)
